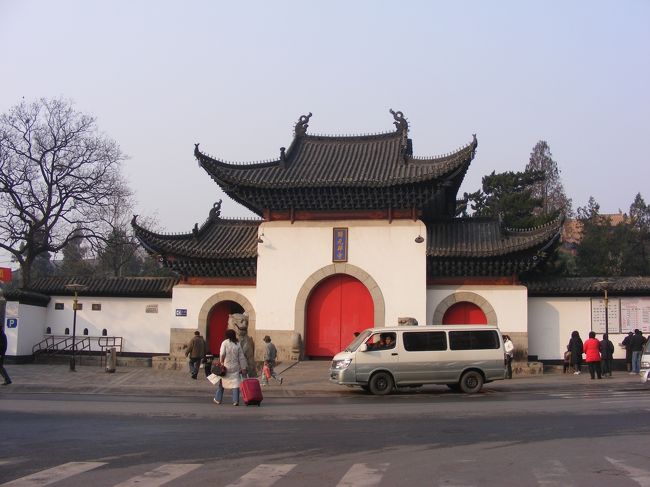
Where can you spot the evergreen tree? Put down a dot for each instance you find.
(549, 190)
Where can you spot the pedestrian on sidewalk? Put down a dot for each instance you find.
(270, 354)
(592, 355)
(628, 350)
(636, 344)
(509, 348)
(232, 357)
(575, 346)
(196, 352)
(3, 351)
(606, 355)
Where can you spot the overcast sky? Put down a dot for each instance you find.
(236, 76)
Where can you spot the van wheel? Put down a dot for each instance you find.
(381, 384)
(471, 382)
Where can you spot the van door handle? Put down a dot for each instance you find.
(394, 353)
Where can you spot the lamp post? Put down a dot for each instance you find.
(604, 285)
(75, 288)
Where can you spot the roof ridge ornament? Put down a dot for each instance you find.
(400, 122)
(215, 211)
(301, 126)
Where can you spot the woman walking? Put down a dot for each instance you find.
(232, 357)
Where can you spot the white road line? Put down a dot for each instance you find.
(363, 475)
(553, 474)
(161, 475)
(55, 474)
(640, 476)
(263, 475)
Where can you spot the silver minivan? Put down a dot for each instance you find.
(645, 362)
(463, 357)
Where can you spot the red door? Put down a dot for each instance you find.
(464, 313)
(218, 323)
(337, 307)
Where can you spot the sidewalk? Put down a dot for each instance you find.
(308, 378)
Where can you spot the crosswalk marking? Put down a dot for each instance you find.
(161, 475)
(553, 474)
(263, 476)
(55, 474)
(363, 475)
(640, 476)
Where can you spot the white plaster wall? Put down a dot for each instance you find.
(21, 339)
(510, 303)
(192, 298)
(123, 317)
(551, 321)
(386, 251)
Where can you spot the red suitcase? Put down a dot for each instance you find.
(251, 392)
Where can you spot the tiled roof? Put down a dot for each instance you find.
(219, 248)
(149, 287)
(589, 286)
(320, 172)
(216, 239)
(27, 297)
(475, 237)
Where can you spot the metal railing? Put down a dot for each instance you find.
(62, 344)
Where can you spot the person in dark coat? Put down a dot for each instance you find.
(575, 347)
(606, 355)
(3, 351)
(628, 350)
(636, 344)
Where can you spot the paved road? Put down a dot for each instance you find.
(575, 433)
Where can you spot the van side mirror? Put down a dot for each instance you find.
(363, 347)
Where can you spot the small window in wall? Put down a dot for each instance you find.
(58, 306)
(80, 306)
(97, 306)
(104, 332)
(85, 331)
(151, 308)
(67, 331)
(48, 330)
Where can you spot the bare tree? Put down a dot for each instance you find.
(56, 174)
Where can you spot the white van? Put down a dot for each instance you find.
(463, 357)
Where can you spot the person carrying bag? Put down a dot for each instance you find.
(231, 356)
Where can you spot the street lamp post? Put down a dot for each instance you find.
(76, 288)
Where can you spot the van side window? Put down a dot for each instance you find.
(425, 341)
(474, 340)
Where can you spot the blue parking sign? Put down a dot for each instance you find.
(12, 322)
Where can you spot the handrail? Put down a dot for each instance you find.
(53, 344)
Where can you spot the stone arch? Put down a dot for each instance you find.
(226, 296)
(465, 296)
(312, 281)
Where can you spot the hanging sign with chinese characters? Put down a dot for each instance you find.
(340, 245)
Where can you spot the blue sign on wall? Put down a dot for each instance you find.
(181, 312)
(12, 322)
(340, 245)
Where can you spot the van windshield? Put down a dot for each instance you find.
(357, 341)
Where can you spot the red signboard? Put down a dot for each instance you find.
(5, 274)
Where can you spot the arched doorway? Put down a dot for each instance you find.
(464, 313)
(337, 307)
(218, 322)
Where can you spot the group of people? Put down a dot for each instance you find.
(599, 354)
(232, 357)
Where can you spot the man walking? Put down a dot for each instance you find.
(3, 351)
(196, 352)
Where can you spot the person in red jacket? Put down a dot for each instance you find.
(592, 355)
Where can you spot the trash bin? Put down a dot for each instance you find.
(111, 360)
